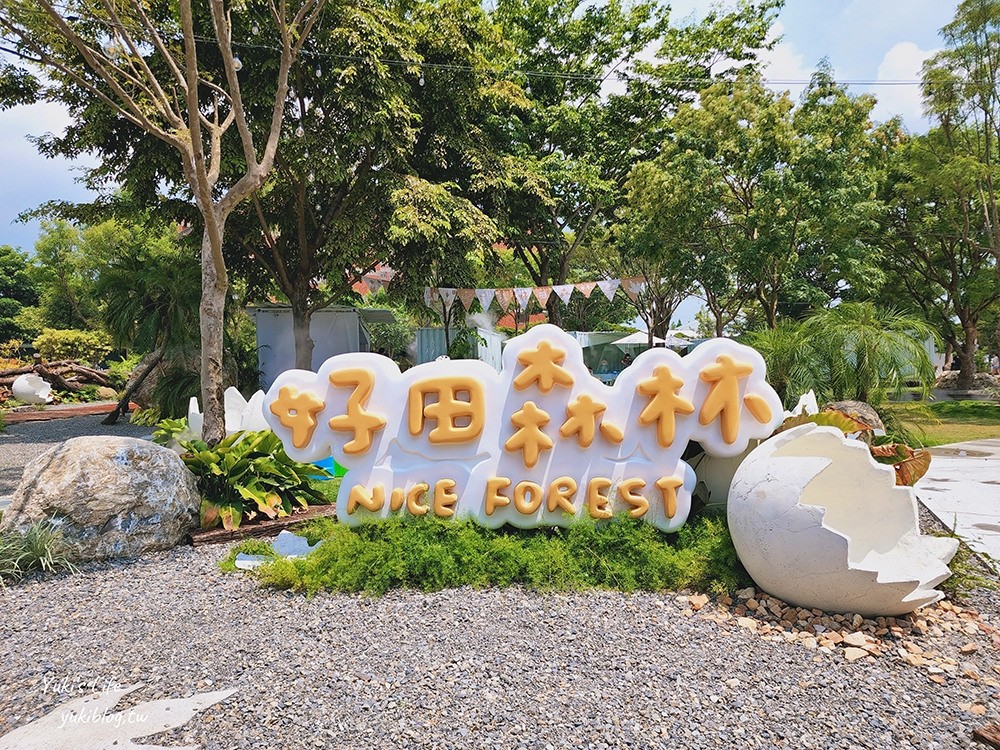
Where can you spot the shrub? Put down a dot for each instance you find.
(85, 346)
(246, 474)
(120, 370)
(40, 547)
(430, 554)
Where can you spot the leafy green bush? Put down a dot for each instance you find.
(430, 554)
(147, 417)
(246, 474)
(85, 346)
(167, 430)
(120, 370)
(39, 547)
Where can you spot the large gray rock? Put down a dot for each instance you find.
(110, 496)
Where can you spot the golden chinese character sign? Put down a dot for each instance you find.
(539, 443)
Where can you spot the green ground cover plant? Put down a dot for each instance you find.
(39, 548)
(430, 554)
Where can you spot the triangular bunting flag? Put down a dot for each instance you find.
(523, 296)
(467, 295)
(564, 292)
(427, 296)
(609, 287)
(362, 288)
(485, 297)
(586, 288)
(447, 296)
(505, 297)
(373, 283)
(542, 294)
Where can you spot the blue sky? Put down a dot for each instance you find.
(864, 40)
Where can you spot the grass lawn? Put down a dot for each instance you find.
(943, 422)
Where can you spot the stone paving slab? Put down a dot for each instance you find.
(962, 488)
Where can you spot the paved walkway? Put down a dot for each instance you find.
(962, 488)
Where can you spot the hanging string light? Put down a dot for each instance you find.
(237, 64)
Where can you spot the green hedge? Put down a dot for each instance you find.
(430, 554)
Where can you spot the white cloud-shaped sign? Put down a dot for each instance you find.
(539, 443)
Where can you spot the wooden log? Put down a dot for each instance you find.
(261, 529)
(988, 735)
(57, 380)
(93, 376)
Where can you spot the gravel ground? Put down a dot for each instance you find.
(475, 669)
(22, 442)
(496, 668)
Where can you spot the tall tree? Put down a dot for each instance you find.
(962, 94)
(172, 73)
(937, 243)
(61, 270)
(17, 290)
(775, 201)
(594, 108)
(651, 243)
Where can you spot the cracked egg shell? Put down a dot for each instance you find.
(819, 523)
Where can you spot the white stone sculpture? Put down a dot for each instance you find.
(807, 405)
(241, 416)
(818, 523)
(31, 389)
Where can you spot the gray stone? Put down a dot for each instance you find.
(859, 411)
(286, 544)
(110, 496)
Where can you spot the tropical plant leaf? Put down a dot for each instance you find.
(231, 514)
(270, 505)
(826, 418)
(910, 464)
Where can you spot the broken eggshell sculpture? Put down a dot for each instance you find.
(31, 389)
(819, 523)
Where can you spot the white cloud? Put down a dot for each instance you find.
(903, 62)
(785, 63)
(33, 179)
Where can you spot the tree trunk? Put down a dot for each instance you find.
(301, 320)
(968, 358)
(554, 310)
(122, 406)
(214, 286)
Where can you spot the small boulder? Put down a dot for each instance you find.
(858, 411)
(110, 497)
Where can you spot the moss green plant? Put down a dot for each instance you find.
(430, 554)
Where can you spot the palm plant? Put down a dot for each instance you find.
(866, 353)
(793, 365)
(151, 295)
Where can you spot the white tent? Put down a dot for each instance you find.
(684, 333)
(636, 340)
